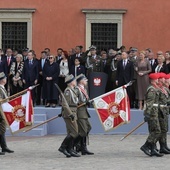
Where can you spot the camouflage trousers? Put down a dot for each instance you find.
(154, 130)
(163, 121)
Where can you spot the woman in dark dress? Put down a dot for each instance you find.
(50, 74)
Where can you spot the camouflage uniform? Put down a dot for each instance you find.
(152, 97)
(163, 119)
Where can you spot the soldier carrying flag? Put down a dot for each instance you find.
(3, 95)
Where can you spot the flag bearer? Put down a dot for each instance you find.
(84, 126)
(70, 117)
(3, 95)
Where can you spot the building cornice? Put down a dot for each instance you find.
(104, 11)
(17, 10)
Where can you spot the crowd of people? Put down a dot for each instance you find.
(120, 66)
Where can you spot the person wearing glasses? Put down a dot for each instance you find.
(51, 72)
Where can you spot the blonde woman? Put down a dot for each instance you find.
(161, 67)
(16, 84)
(143, 68)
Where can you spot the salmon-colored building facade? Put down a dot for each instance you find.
(67, 23)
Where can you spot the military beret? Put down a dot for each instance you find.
(2, 75)
(69, 78)
(162, 75)
(167, 76)
(154, 76)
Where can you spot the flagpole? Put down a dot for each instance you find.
(139, 125)
(105, 94)
(55, 117)
(19, 93)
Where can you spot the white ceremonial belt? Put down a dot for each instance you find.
(161, 105)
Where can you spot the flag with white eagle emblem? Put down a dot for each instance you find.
(113, 108)
(18, 112)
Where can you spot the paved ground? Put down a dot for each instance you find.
(40, 153)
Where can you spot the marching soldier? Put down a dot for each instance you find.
(151, 117)
(163, 113)
(3, 95)
(94, 61)
(84, 126)
(70, 117)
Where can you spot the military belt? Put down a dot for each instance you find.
(161, 105)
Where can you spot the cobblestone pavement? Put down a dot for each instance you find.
(41, 153)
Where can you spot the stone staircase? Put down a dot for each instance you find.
(39, 131)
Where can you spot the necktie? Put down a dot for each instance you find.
(8, 61)
(30, 63)
(124, 64)
(151, 62)
(42, 63)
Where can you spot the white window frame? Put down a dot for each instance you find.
(17, 15)
(104, 16)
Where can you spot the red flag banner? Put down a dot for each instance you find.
(18, 112)
(113, 108)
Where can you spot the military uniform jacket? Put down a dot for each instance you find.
(82, 112)
(94, 65)
(152, 97)
(71, 97)
(3, 95)
(163, 99)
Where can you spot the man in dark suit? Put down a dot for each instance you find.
(153, 61)
(43, 60)
(125, 72)
(30, 73)
(3, 64)
(9, 59)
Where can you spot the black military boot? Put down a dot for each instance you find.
(77, 144)
(166, 146)
(70, 148)
(2, 153)
(4, 145)
(84, 150)
(154, 152)
(146, 148)
(64, 145)
(163, 148)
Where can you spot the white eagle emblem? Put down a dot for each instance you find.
(97, 81)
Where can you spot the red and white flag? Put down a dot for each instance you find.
(18, 112)
(113, 108)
